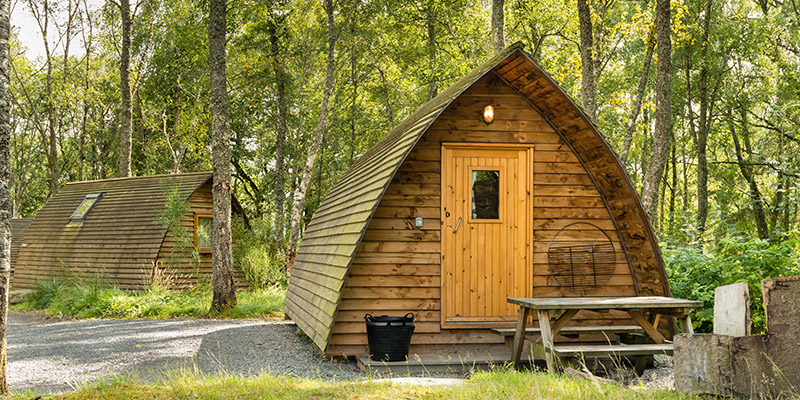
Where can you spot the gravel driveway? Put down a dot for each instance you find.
(47, 357)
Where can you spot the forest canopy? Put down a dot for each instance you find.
(731, 167)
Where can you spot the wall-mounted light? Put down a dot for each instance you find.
(488, 114)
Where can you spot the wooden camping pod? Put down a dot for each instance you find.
(120, 240)
(402, 230)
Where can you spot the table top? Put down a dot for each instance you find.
(603, 303)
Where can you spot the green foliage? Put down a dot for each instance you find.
(44, 293)
(80, 299)
(175, 209)
(695, 275)
(257, 256)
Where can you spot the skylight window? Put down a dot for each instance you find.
(86, 205)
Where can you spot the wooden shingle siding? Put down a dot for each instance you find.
(120, 239)
(362, 252)
(19, 226)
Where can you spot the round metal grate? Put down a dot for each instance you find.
(581, 258)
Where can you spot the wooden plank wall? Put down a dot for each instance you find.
(175, 269)
(397, 267)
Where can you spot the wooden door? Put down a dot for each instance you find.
(486, 232)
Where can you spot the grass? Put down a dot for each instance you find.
(500, 384)
(97, 300)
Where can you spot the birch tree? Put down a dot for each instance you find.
(222, 257)
(663, 126)
(5, 194)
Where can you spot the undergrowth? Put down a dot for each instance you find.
(503, 384)
(695, 275)
(72, 299)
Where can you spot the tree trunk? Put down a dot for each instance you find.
(429, 24)
(5, 180)
(588, 86)
(176, 152)
(755, 194)
(351, 155)
(387, 93)
(702, 134)
(221, 258)
(300, 198)
(279, 186)
(87, 31)
(43, 19)
(692, 130)
(636, 108)
(674, 186)
(126, 108)
(498, 23)
(663, 128)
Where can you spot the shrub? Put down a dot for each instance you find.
(695, 275)
(257, 256)
(44, 293)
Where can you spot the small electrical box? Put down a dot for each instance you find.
(418, 222)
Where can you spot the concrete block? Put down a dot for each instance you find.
(732, 310)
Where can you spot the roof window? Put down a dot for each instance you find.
(86, 205)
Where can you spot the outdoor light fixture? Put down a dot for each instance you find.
(488, 114)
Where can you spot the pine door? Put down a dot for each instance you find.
(486, 232)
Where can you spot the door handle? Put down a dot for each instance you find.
(457, 225)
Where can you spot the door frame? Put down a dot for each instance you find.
(529, 149)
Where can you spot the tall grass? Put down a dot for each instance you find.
(503, 384)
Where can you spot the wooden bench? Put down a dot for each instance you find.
(575, 330)
(603, 350)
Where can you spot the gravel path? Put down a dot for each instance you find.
(48, 357)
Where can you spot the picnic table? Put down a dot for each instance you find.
(567, 307)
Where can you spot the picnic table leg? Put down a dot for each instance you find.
(641, 361)
(547, 339)
(686, 323)
(519, 336)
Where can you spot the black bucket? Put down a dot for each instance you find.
(389, 337)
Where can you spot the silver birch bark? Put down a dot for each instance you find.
(498, 26)
(5, 194)
(222, 258)
(663, 125)
(126, 107)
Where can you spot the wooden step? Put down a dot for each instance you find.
(599, 350)
(575, 330)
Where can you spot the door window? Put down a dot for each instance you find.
(485, 194)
